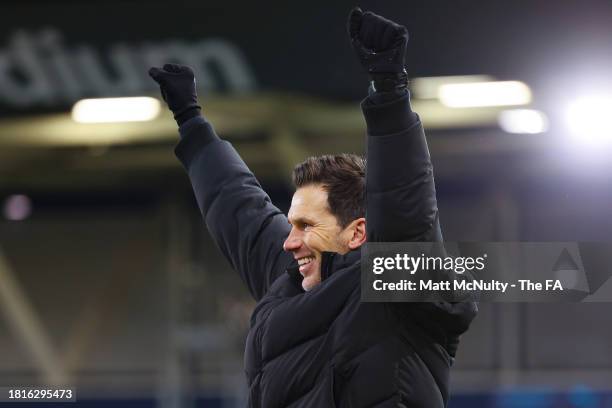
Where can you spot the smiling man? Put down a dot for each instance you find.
(327, 211)
(312, 343)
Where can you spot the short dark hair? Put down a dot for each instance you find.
(343, 177)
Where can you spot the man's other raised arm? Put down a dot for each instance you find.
(400, 191)
(244, 223)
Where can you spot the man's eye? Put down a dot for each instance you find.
(306, 226)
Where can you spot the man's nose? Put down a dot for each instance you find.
(293, 241)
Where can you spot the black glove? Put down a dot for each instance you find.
(178, 88)
(380, 45)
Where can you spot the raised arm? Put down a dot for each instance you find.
(400, 191)
(244, 223)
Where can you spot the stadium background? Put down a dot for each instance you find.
(110, 283)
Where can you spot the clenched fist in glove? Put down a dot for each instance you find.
(178, 88)
(380, 45)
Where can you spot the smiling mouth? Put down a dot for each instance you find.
(305, 262)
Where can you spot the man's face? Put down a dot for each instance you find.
(314, 230)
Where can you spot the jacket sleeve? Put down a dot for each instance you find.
(400, 192)
(401, 206)
(244, 223)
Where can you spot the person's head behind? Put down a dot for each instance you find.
(327, 211)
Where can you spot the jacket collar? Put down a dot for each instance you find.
(330, 263)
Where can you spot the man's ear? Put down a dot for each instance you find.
(358, 233)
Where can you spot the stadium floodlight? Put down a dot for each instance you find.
(111, 110)
(525, 121)
(428, 87)
(483, 94)
(588, 119)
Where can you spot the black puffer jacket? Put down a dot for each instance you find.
(324, 348)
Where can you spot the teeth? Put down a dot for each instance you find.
(305, 260)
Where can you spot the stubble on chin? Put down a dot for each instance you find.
(310, 283)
